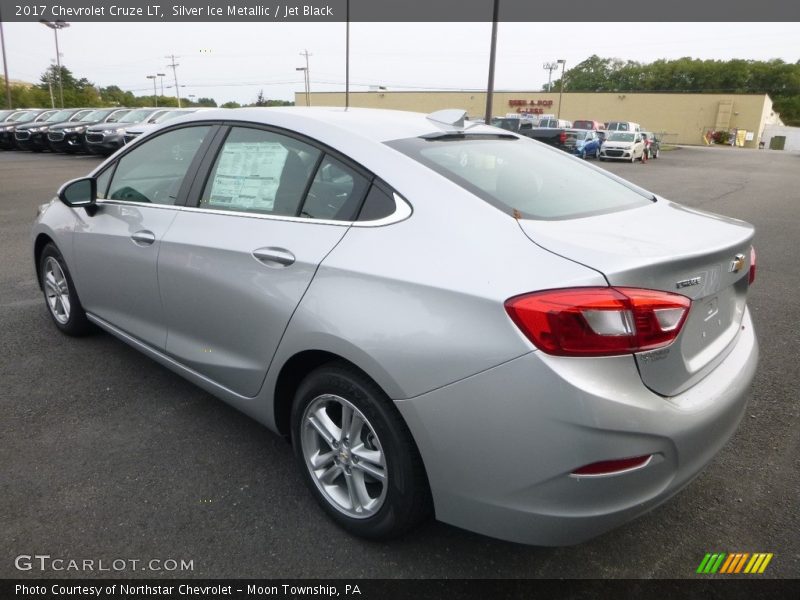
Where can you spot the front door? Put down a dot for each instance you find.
(116, 249)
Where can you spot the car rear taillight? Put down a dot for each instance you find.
(752, 265)
(599, 321)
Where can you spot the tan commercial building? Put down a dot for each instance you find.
(681, 118)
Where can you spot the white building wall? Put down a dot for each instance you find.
(792, 136)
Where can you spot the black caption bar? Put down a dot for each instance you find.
(400, 10)
(384, 589)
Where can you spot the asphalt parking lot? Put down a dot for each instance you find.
(107, 455)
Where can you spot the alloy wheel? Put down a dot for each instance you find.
(344, 456)
(56, 290)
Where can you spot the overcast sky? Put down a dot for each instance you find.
(245, 57)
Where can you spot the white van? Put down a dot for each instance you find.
(623, 126)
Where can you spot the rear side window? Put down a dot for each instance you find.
(378, 205)
(522, 176)
(336, 192)
(260, 172)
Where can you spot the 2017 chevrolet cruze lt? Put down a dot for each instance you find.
(444, 319)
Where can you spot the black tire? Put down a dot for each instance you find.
(74, 323)
(402, 500)
(602, 159)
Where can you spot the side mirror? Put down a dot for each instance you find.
(79, 192)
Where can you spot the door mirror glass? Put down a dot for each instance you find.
(79, 192)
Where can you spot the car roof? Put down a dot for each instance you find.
(378, 125)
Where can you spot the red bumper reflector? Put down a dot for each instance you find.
(609, 467)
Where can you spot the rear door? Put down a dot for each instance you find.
(234, 267)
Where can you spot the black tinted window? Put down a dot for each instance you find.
(336, 192)
(377, 205)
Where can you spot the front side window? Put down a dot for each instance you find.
(154, 170)
(522, 176)
(260, 172)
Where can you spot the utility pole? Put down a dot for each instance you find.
(492, 56)
(55, 26)
(347, 60)
(306, 53)
(175, 75)
(5, 64)
(550, 67)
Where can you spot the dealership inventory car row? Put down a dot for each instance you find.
(97, 131)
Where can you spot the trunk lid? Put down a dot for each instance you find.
(668, 247)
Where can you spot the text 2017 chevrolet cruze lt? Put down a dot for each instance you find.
(440, 317)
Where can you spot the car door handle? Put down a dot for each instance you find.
(143, 237)
(274, 257)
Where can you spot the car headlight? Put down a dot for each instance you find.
(5, 128)
(74, 129)
(37, 129)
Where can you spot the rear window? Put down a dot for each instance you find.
(522, 176)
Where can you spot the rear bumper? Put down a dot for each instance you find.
(499, 447)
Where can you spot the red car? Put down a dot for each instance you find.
(593, 125)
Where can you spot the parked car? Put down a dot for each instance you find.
(6, 114)
(583, 124)
(447, 320)
(33, 136)
(584, 143)
(622, 126)
(622, 145)
(106, 139)
(652, 144)
(555, 123)
(131, 133)
(71, 137)
(9, 126)
(515, 124)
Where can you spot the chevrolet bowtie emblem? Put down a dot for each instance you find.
(737, 264)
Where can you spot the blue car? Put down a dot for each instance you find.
(586, 143)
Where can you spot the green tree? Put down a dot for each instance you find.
(777, 78)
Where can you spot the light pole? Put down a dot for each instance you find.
(550, 67)
(492, 58)
(155, 98)
(161, 80)
(55, 26)
(563, 64)
(5, 64)
(305, 81)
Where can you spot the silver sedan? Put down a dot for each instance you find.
(445, 319)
